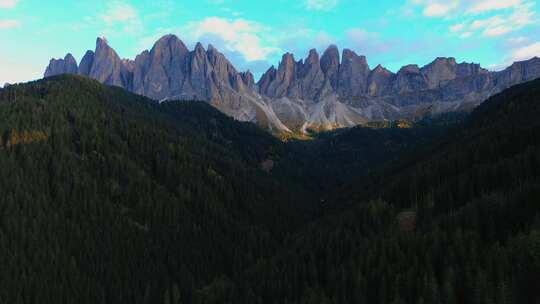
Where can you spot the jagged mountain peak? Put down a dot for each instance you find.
(335, 90)
(101, 40)
(331, 51)
(313, 56)
(199, 48)
(69, 57)
(349, 54)
(68, 65)
(380, 69)
(330, 58)
(171, 42)
(444, 60)
(410, 68)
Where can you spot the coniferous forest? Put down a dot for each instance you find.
(109, 197)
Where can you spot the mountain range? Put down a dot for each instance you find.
(319, 93)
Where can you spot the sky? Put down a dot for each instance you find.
(254, 34)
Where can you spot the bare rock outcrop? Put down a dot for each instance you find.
(326, 92)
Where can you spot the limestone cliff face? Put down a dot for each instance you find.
(107, 67)
(320, 92)
(353, 74)
(68, 65)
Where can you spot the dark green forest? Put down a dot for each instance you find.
(109, 197)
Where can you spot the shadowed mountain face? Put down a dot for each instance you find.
(321, 92)
(109, 197)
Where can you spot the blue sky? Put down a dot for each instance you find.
(254, 34)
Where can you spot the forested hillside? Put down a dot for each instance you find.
(108, 197)
(457, 222)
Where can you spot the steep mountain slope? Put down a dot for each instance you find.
(109, 197)
(170, 71)
(457, 223)
(332, 159)
(320, 93)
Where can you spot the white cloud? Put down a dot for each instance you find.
(369, 43)
(458, 8)
(7, 24)
(8, 3)
(457, 27)
(239, 35)
(14, 70)
(465, 35)
(360, 35)
(497, 31)
(436, 9)
(526, 52)
(483, 6)
(518, 41)
(520, 16)
(321, 5)
(120, 13)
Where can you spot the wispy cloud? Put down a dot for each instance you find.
(520, 16)
(519, 53)
(122, 14)
(452, 8)
(8, 3)
(434, 8)
(483, 6)
(7, 24)
(239, 35)
(320, 5)
(437, 9)
(526, 52)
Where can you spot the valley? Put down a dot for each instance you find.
(111, 197)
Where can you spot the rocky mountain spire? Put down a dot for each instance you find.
(410, 79)
(160, 72)
(330, 64)
(267, 78)
(353, 74)
(86, 63)
(440, 70)
(284, 77)
(311, 77)
(318, 92)
(68, 65)
(107, 67)
(379, 81)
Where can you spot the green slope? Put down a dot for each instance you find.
(108, 197)
(457, 222)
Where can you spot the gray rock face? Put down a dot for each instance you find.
(285, 78)
(310, 76)
(319, 92)
(160, 73)
(353, 74)
(379, 81)
(517, 73)
(86, 63)
(410, 79)
(330, 64)
(68, 65)
(440, 70)
(107, 67)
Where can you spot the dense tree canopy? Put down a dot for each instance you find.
(108, 197)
